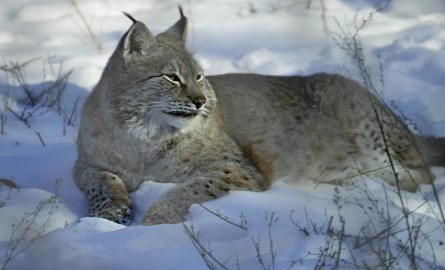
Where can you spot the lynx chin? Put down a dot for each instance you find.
(155, 116)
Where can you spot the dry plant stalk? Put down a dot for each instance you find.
(20, 238)
(91, 35)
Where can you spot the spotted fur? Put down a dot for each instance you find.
(154, 116)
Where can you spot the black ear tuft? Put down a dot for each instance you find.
(178, 31)
(138, 40)
(129, 17)
(181, 11)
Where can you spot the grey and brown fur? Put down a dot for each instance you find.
(154, 116)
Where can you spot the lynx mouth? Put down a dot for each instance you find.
(183, 114)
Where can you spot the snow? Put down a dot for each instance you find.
(292, 222)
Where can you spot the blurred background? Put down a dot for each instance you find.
(406, 40)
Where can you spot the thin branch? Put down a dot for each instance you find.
(218, 215)
(91, 34)
(40, 138)
(21, 118)
(3, 120)
(341, 237)
(221, 216)
(203, 252)
(73, 111)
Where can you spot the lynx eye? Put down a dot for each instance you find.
(173, 78)
(199, 78)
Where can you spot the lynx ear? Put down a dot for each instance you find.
(177, 31)
(138, 40)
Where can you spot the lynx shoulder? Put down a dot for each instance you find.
(155, 116)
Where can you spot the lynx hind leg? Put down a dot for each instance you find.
(410, 179)
(108, 198)
(407, 157)
(410, 161)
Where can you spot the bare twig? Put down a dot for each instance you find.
(37, 101)
(17, 71)
(87, 26)
(341, 237)
(211, 262)
(40, 138)
(73, 111)
(3, 120)
(20, 117)
(221, 216)
(24, 233)
(323, 16)
(351, 43)
(216, 214)
(257, 244)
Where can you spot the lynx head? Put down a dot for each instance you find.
(153, 86)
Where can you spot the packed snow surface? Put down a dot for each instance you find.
(44, 223)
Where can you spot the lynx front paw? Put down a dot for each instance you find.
(108, 198)
(121, 214)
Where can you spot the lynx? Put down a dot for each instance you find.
(155, 116)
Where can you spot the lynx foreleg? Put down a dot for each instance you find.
(173, 207)
(106, 195)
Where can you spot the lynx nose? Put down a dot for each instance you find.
(199, 101)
